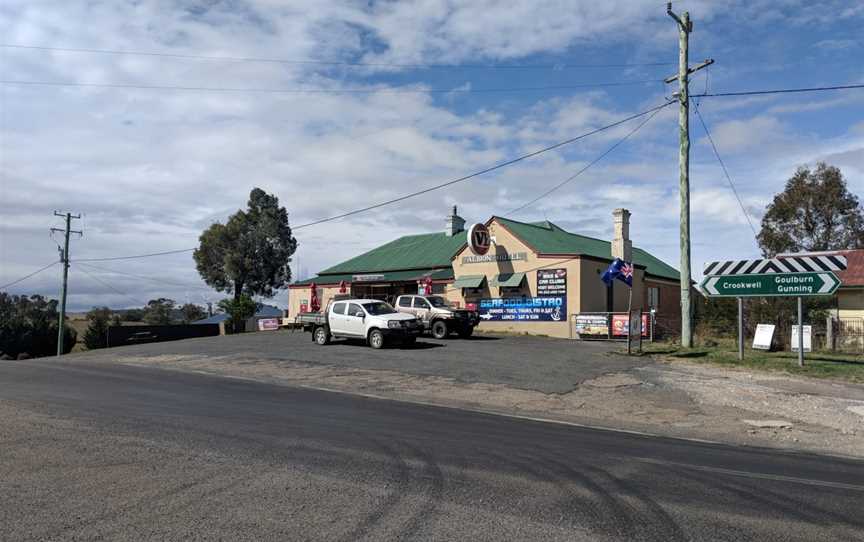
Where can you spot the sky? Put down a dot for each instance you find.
(335, 105)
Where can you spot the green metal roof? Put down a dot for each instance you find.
(424, 251)
(392, 276)
(547, 238)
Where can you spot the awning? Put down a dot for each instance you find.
(508, 280)
(469, 281)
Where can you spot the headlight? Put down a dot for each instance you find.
(394, 324)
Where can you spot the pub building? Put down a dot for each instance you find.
(522, 277)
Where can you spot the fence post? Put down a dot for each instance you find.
(829, 333)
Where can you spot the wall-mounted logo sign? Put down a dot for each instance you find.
(479, 239)
(503, 257)
(367, 278)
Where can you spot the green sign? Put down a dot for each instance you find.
(772, 284)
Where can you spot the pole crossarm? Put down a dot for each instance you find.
(704, 64)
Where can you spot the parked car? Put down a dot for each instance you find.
(438, 316)
(375, 321)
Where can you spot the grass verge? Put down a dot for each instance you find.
(848, 367)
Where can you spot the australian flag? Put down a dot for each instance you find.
(621, 270)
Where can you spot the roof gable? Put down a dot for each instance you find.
(547, 238)
(429, 250)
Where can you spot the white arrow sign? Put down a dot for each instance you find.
(829, 281)
(711, 286)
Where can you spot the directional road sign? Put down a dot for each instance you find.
(771, 285)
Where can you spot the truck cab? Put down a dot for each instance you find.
(438, 315)
(372, 320)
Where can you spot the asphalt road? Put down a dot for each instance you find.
(535, 363)
(117, 452)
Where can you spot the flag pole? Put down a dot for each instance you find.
(629, 323)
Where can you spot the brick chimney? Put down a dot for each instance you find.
(622, 246)
(455, 224)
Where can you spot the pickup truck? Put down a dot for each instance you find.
(374, 321)
(438, 316)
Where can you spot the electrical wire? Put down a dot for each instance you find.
(115, 258)
(34, 273)
(483, 171)
(776, 91)
(586, 167)
(726, 173)
(400, 90)
(336, 62)
(107, 285)
(143, 277)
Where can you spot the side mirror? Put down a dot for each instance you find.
(360, 314)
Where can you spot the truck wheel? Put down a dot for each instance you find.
(466, 332)
(376, 339)
(439, 329)
(321, 335)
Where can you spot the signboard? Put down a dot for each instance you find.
(808, 338)
(771, 285)
(551, 282)
(503, 257)
(304, 306)
(367, 278)
(479, 239)
(591, 324)
(268, 324)
(470, 306)
(621, 325)
(763, 337)
(524, 309)
(794, 263)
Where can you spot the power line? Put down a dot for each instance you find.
(775, 91)
(482, 172)
(115, 258)
(581, 171)
(34, 273)
(400, 90)
(336, 62)
(143, 277)
(726, 173)
(107, 285)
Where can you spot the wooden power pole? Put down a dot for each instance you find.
(685, 26)
(64, 259)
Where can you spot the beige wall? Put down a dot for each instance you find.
(506, 242)
(297, 295)
(850, 303)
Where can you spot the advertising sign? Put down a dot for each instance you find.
(620, 325)
(524, 309)
(551, 282)
(304, 306)
(591, 324)
(763, 337)
(808, 345)
(479, 239)
(268, 324)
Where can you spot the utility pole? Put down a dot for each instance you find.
(685, 26)
(64, 259)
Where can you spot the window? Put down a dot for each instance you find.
(354, 309)
(339, 308)
(378, 307)
(405, 301)
(420, 303)
(438, 302)
(653, 297)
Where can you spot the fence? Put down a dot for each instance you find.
(847, 335)
(126, 335)
(608, 326)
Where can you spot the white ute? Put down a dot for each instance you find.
(375, 321)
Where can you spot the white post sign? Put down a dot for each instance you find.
(763, 336)
(808, 345)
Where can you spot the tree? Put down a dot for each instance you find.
(192, 312)
(28, 325)
(134, 315)
(159, 312)
(238, 310)
(814, 212)
(96, 335)
(251, 253)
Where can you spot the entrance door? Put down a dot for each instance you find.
(422, 309)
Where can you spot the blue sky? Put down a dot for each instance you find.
(150, 168)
